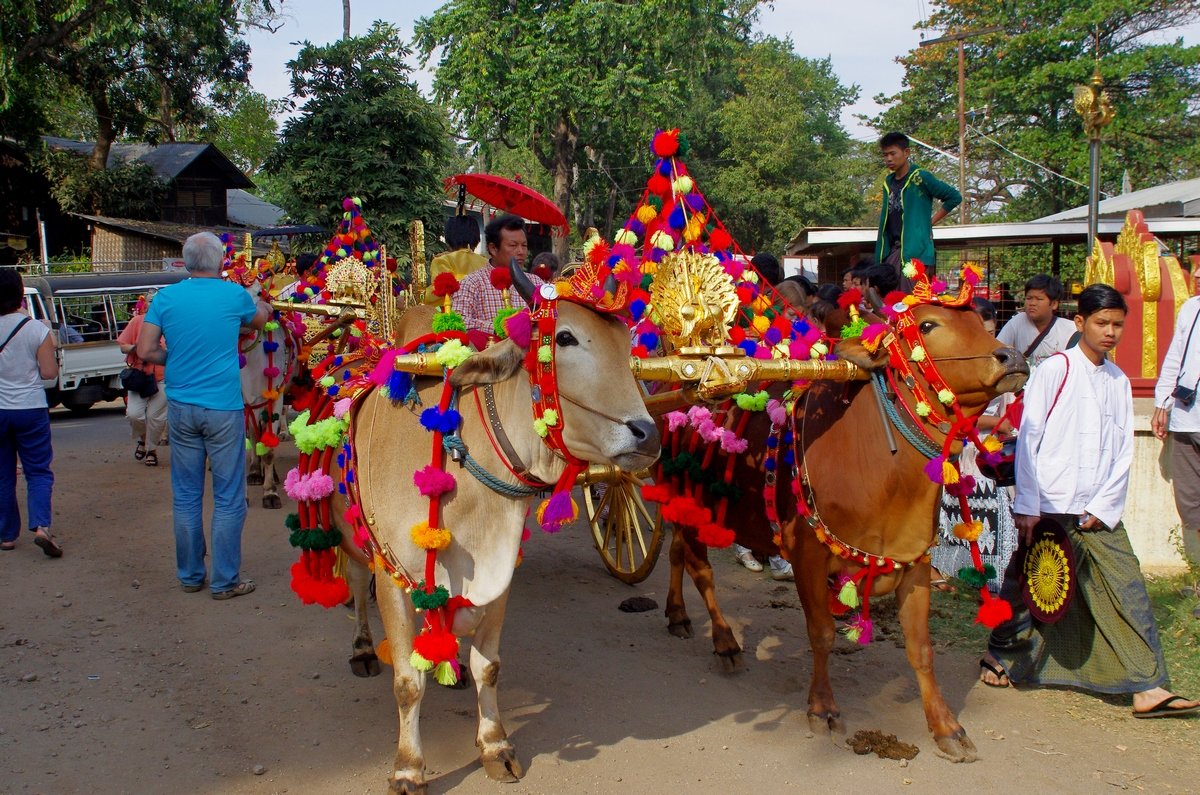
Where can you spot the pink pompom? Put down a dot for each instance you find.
(800, 350)
(777, 412)
(709, 431)
(698, 415)
(676, 420)
(347, 203)
(519, 328)
(730, 443)
(938, 286)
(383, 370)
(433, 482)
(341, 407)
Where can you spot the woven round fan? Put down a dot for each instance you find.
(1048, 572)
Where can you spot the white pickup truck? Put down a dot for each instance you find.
(88, 311)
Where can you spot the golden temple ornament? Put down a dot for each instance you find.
(695, 301)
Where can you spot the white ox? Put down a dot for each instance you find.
(609, 425)
(265, 378)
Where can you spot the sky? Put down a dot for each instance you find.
(862, 38)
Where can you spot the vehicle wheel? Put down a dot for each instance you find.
(78, 409)
(627, 531)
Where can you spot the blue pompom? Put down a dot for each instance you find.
(800, 327)
(349, 475)
(341, 459)
(789, 457)
(676, 219)
(450, 421)
(333, 390)
(664, 168)
(346, 375)
(769, 464)
(749, 346)
(398, 384)
(341, 488)
(649, 339)
(636, 308)
(772, 442)
(430, 418)
(613, 261)
(270, 346)
(788, 438)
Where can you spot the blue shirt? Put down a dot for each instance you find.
(200, 319)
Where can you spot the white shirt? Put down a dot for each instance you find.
(1078, 458)
(20, 377)
(1019, 332)
(1183, 367)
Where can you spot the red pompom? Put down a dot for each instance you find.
(893, 298)
(719, 240)
(268, 438)
(659, 185)
(666, 142)
(437, 647)
(852, 297)
(640, 351)
(599, 253)
(745, 295)
(714, 535)
(782, 325)
(737, 334)
(500, 278)
(654, 492)
(445, 284)
(993, 612)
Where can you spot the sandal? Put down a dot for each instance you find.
(1001, 675)
(152, 459)
(241, 589)
(139, 452)
(1163, 709)
(8, 546)
(48, 543)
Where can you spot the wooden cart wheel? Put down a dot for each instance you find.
(628, 532)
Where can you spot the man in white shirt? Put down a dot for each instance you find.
(1073, 459)
(1175, 411)
(1037, 332)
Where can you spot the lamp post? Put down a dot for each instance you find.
(1096, 111)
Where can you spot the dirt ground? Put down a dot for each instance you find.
(113, 680)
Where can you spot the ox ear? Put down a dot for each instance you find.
(492, 365)
(852, 350)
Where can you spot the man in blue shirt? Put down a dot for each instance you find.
(200, 318)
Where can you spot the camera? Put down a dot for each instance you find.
(1184, 396)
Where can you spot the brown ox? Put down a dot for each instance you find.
(867, 496)
(593, 371)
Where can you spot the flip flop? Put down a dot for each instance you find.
(8, 546)
(1163, 709)
(987, 665)
(48, 545)
(942, 585)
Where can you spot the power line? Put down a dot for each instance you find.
(1022, 158)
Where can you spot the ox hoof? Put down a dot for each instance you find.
(731, 661)
(826, 723)
(681, 629)
(957, 747)
(502, 765)
(365, 664)
(405, 786)
(254, 479)
(272, 502)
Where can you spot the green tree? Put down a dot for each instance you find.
(364, 130)
(783, 159)
(242, 125)
(1019, 83)
(580, 84)
(125, 190)
(143, 66)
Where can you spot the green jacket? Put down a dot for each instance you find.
(916, 199)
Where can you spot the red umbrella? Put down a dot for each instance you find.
(512, 197)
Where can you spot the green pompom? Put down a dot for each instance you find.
(854, 329)
(444, 673)
(418, 662)
(848, 595)
(292, 521)
(260, 449)
(973, 577)
(498, 323)
(430, 601)
(448, 321)
(545, 354)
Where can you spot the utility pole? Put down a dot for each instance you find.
(960, 38)
(1096, 112)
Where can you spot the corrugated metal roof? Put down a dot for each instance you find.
(1174, 199)
(246, 209)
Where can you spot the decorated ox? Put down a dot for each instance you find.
(601, 419)
(267, 358)
(851, 504)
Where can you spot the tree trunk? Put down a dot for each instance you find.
(105, 132)
(566, 138)
(345, 19)
(167, 116)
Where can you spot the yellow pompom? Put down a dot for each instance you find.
(992, 444)
(968, 531)
(761, 324)
(426, 537)
(949, 473)
(383, 650)
(760, 303)
(646, 213)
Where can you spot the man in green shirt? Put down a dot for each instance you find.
(906, 217)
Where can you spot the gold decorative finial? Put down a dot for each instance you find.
(695, 300)
(350, 283)
(1093, 106)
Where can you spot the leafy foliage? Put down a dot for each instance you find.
(584, 87)
(128, 190)
(1019, 81)
(364, 130)
(242, 126)
(784, 158)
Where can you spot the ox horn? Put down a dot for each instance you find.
(875, 301)
(610, 284)
(521, 281)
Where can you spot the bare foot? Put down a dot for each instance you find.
(991, 673)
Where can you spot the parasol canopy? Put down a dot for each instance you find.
(512, 197)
